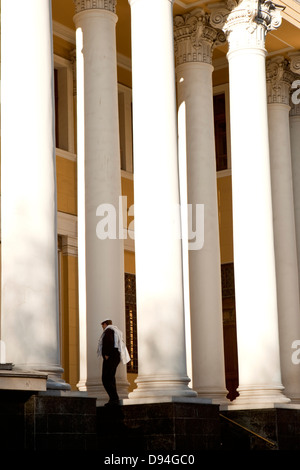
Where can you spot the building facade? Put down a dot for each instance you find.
(149, 173)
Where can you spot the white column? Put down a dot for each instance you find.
(29, 297)
(295, 152)
(254, 260)
(295, 142)
(100, 248)
(159, 284)
(279, 80)
(194, 42)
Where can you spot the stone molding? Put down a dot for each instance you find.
(82, 5)
(254, 17)
(69, 246)
(195, 38)
(279, 80)
(67, 229)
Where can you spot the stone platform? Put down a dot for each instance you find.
(50, 421)
(19, 379)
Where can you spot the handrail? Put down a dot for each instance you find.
(271, 443)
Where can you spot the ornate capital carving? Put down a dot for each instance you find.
(195, 38)
(82, 5)
(246, 22)
(69, 246)
(295, 62)
(219, 14)
(279, 80)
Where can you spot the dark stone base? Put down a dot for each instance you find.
(159, 427)
(262, 429)
(40, 421)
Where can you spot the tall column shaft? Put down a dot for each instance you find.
(254, 259)
(29, 297)
(195, 99)
(295, 152)
(295, 142)
(159, 283)
(100, 249)
(279, 79)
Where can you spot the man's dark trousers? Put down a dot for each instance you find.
(109, 375)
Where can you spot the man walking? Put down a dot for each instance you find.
(113, 350)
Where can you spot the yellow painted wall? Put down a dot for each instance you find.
(124, 77)
(70, 319)
(225, 218)
(62, 47)
(220, 76)
(128, 191)
(129, 260)
(66, 179)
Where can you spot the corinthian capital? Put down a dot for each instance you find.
(246, 22)
(81, 5)
(195, 38)
(279, 80)
(253, 13)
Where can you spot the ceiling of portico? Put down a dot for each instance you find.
(283, 40)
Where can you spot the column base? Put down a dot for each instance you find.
(135, 400)
(259, 397)
(294, 398)
(95, 389)
(214, 396)
(54, 380)
(55, 383)
(164, 386)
